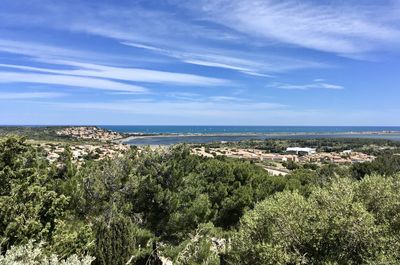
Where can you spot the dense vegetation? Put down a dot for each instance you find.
(149, 206)
(36, 133)
(369, 146)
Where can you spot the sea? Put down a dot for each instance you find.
(169, 135)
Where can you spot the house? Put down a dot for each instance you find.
(301, 150)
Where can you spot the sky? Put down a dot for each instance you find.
(200, 62)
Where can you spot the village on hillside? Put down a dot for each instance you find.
(89, 133)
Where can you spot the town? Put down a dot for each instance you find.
(275, 161)
(302, 155)
(100, 144)
(90, 133)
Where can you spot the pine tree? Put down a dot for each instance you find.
(118, 241)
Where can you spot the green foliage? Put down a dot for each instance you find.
(119, 241)
(343, 223)
(291, 165)
(72, 237)
(169, 203)
(66, 169)
(369, 146)
(386, 165)
(39, 133)
(360, 170)
(29, 206)
(32, 205)
(202, 247)
(172, 191)
(302, 180)
(31, 254)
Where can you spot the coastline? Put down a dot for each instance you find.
(135, 136)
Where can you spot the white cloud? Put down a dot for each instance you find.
(73, 81)
(331, 86)
(181, 109)
(254, 64)
(29, 95)
(39, 50)
(227, 99)
(188, 41)
(318, 84)
(337, 28)
(126, 74)
(124, 21)
(184, 96)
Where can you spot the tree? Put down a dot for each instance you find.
(203, 247)
(302, 180)
(360, 170)
(336, 224)
(31, 254)
(119, 241)
(29, 206)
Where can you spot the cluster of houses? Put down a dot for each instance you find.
(344, 157)
(89, 133)
(295, 154)
(81, 152)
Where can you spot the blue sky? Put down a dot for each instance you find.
(200, 62)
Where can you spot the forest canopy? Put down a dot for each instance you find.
(153, 206)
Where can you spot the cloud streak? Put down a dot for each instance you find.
(318, 84)
(247, 63)
(126, 74)
(181, 109)
(30, 95)
(39, 50)
(186, 40)
(70, 81)
(341, 29)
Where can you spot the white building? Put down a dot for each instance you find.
(298, 150)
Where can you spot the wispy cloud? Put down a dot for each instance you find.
(261, 65)
(339, 28)
(204, 58)
(126, 74)
(30, 95)
(181, 109)
(189, 41)
(318, 84)
(124, 21)
(347, 29)
(193, 97)
(184, 96)
(71, 81)
(40, 50)
(227, 99)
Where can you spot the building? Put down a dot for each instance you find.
(301, 150)
(346, 152)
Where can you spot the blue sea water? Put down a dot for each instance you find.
(161, 129)
(208, 134)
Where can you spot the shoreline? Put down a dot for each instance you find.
(284, 134)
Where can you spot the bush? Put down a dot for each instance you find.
(344, 223)
(31, 254)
